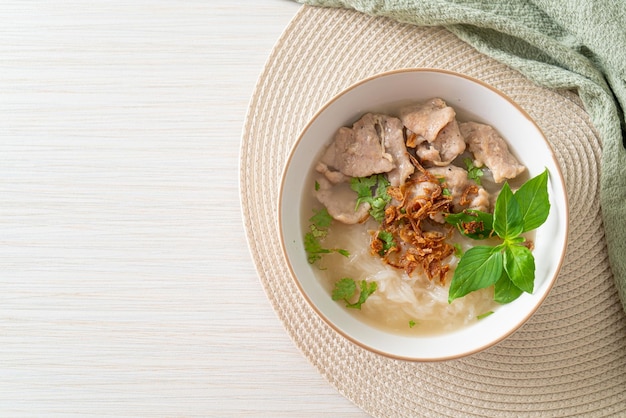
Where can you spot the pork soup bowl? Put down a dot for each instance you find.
(409, 227)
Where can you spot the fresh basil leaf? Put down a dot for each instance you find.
(480, 267)
(533, 200)
(505, 290)
(507, 215)
(510, 266)
(472, 223)
(516, 240)
(520, 266)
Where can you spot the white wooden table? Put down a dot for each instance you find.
(126, 285)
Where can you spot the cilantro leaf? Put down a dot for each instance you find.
(381, 187)
(313, 248)
(387, 240)
(533, 200)
(412, 323)
(473, 172)
(480, 267)
(344, 253)
(507, 215)
(378, 208)
(367, 288)
(321, 219)
(345, 289)
(318, 229)
(372, 190)
(363, 188)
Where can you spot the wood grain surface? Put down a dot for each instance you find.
(126, 285)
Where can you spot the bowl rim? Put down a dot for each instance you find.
(561, 181)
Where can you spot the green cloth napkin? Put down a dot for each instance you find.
(561, 44)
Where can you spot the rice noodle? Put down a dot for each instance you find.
(400, 298)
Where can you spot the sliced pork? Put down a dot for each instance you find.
(490, 150)
(374, 145)
(360, 151)
(393, 133)
(340, 201)
(326, 167)
(448, 145)
(426, 120)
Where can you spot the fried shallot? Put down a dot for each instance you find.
(419, 241)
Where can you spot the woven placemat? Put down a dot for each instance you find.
(568, 360)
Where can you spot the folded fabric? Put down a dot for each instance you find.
(560, 44)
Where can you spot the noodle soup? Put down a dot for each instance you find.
(358, 272)
(411, 298)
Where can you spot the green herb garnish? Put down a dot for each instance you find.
(485, 315)
(444, 187)
(458, 250)
(388, 242)
(473, 172)
(472, 223)
(345, 289)
(510, 266)
(412, 323)
(372, 190)
(318, 229)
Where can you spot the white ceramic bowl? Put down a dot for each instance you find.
(473, 100)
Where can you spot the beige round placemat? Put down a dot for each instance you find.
(568, 360)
